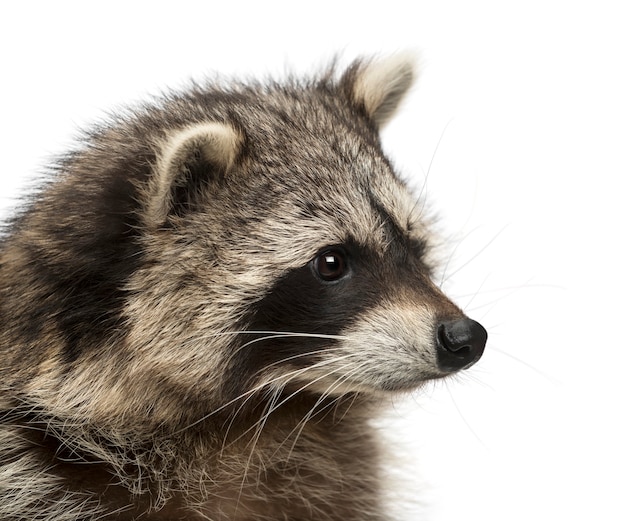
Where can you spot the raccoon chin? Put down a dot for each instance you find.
(337, 386)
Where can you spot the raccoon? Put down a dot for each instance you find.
(209, 301)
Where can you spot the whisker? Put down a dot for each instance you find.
(477, 254)
(255, 439)
(452, 255)
(270, 407)
(525, 285)
(306, 354)
(313, 412)
(263, 385)
(458, 410)
(269, 335)
(432, 159)
(348, 407)
(511, 290)
(270, 332)
(424, 187)
(526, 364)
(478, 291)
(288, 335)
(290, 377)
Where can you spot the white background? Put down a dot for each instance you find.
(519, 119)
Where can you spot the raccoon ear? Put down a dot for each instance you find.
(188, 161)
(380, 85)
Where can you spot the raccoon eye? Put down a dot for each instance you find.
(330, 265)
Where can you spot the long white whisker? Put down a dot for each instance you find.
(291, 376)
(473, 257)
(459, 242)
(268, 336)
(268, 332)
(458, 410)
(325, 350)
(348, 407)
(255, 439)
(432, 159)
(264, 384)
(267, 384)
(313, 412)
(529, 366)
(287, 335)
(424, 187)
(469, 302)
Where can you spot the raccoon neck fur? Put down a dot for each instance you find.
(240, 460)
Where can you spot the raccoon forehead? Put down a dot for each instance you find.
(355, 188)
(318, 217)
(399, 202)
(396, 215)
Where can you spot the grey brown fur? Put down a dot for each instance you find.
(209, 301)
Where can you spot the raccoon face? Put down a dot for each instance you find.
(363, 316)
(389, 334)
(304, 249)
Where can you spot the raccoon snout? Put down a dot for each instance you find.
(460, 343)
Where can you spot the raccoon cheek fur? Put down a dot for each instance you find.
(208, 302)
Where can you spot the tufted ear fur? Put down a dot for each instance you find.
(380, 85)
(188, 161)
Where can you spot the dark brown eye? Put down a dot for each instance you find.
(331, 265)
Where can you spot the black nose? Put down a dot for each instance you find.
(460, 343)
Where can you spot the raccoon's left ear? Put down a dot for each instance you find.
(190, 160)
(380, 85)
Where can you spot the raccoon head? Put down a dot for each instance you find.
(287, 253)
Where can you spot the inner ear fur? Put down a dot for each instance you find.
(189, 160)
(379, 86)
